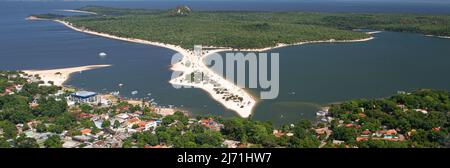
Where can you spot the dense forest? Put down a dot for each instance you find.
(422, 117)
(241, 29)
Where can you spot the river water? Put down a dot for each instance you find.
(311, 75)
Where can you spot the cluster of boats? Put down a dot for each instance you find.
(323, 115)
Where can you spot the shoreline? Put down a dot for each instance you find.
(219, 89)
(34, 18)
(61, 75)
(442, 37)
(244, 112)
(78, 11)
(282, 45)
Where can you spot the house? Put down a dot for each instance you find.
(19, 88)
(151, 124)
(123, 116)
(422, 111)
(362, 139)
(98, 124)
(156, 146)
(70, 144)
(105, 102)
(85, 131)
(142, 124)
(320, 131)
(83, 97)
(389, 135)
(230, 143)
(379, 133)
(365, 133)
(277, 133)
(99, 144)
(337, 142)
(391, 132)
(81, 138)
(133, 121)
(211, 124)
(9, 90)
(85, 115)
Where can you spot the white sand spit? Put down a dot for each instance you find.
(59, 76)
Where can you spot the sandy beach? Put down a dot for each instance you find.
(59, 76)
(34, 18)
(225, 92)
(374, 32)
(444, 37)
(78, 11)
(281, 45)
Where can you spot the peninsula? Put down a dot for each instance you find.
(181, 28)
(59, 76)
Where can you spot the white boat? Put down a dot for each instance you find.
(321, 113)
(102, 54)
(134, 92)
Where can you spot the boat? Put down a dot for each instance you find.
(134, 92)
(321, 113)
(102, 54)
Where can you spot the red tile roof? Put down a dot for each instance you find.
(133, 120)
(85, 131)
(391, 132)
(366, 132)
(142, 124)
(437, 129)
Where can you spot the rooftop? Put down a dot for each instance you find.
(84, 94)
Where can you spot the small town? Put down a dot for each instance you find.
(105, 120)
(35, 114)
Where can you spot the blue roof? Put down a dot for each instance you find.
(83, 94)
